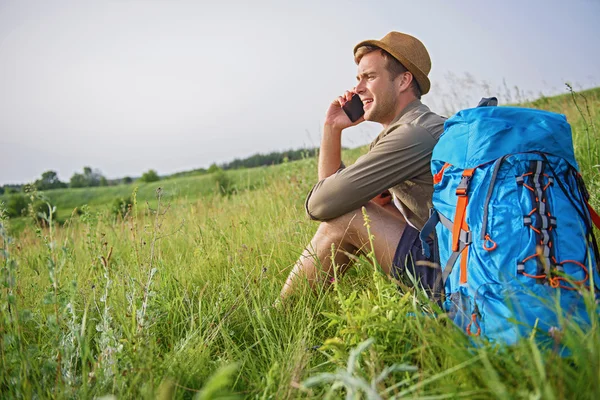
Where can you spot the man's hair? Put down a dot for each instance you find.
(393, 66)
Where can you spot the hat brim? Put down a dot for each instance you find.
(420, 76)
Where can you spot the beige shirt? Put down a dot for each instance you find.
(398, 160)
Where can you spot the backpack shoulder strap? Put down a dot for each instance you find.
(594, 215)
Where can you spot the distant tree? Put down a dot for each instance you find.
(93, 177)
(49, 181)
(77, 181)
(1, 190)
(11, 188)
(87, 179)
(127, 180)
(150, 176)
(103, 181)
(16, 205)
(213, 168)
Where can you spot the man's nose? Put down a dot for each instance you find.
(360, 87)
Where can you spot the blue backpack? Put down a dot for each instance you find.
(513, 223)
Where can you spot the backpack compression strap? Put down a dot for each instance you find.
(540, 221)
(461, 235)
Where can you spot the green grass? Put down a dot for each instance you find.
(174, 301)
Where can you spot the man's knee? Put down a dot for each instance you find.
(340, 226)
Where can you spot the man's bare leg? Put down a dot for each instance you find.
(348, 234)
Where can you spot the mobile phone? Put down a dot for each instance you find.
(354, 108)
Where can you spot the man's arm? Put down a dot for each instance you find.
(330, 154)
(336, 120)
(400, 155)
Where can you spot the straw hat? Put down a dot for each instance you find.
(409, 51)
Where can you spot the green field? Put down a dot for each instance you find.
(174, 301)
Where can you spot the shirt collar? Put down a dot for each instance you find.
(409, 107)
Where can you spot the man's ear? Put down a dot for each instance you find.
(404, 81)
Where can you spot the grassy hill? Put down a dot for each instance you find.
(174, 301)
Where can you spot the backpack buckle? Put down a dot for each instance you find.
(463, 186)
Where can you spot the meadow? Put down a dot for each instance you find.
(175, 300)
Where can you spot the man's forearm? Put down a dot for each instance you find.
(330, 155)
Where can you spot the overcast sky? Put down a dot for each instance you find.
(125, 86)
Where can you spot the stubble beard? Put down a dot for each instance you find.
(381, 110)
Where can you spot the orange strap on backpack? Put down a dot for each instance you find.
(460, 222)
(437, 178)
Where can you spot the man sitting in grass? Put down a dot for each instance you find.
(392, 76)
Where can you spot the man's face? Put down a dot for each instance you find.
(377, 91)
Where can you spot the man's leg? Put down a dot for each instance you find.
(348, 234)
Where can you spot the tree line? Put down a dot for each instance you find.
(87, 178)
(21, 200)
(90, 177)
(275, 157)
(255, 160)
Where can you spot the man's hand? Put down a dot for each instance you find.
(383, 198)
(336, 118)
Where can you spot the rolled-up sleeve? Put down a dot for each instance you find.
(401, 154)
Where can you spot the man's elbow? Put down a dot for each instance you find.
(320, 209)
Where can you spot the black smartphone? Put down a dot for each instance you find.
(354, 108)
